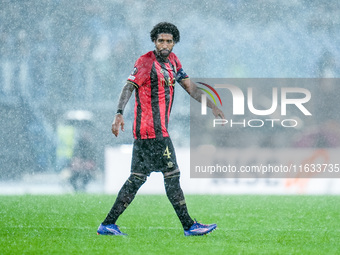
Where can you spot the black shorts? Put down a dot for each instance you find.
(153, 155)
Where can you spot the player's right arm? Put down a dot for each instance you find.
(125, 95)
(137, 78)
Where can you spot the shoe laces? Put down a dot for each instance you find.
(117, 227)
(200, 224)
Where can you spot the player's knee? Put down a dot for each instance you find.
(171, 180)
(171, 175)
(137, 180)
(130, 188)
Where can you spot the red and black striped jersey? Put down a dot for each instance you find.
(154, 80)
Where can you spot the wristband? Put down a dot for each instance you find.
(120, 111)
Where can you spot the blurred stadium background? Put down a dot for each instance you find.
(63, 64)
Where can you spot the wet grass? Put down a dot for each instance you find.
(67, 224)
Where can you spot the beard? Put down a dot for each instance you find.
(164, 53)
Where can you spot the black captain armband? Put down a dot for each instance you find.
(119, 111)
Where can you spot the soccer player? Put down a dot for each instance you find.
(153, 80)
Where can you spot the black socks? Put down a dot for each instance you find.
(176, 197)
(125, 196)
(128, 192)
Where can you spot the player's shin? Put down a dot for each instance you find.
(176, 197)
(125, 196)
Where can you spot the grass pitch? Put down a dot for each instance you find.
(67, 224)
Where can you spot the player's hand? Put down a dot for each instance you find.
(117, 123)
(218, 113)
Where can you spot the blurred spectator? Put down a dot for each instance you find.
(327, 66)
(83, 163)
(76, 152)
(6, 62)
(326, 100)
(325, 135)
(324, 131)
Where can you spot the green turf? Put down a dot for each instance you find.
(67, 224)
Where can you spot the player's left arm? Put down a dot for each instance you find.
(196, 93)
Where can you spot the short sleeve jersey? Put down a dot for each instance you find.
(154, 80)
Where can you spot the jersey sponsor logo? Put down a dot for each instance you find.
(167, 82)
